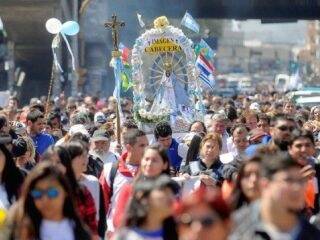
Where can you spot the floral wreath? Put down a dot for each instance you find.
(161, 29)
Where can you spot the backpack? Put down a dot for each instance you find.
(112, 176)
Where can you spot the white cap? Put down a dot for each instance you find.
(78, 128)
(99, 117)
(255, 107)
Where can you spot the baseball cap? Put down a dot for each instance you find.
(255, 107)
(100, 135)
(99, 117)
(78, 128)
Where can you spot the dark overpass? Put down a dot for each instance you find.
(24, 21)
(238, 9)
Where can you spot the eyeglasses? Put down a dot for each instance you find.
(205, 221)
(51, 193)
(286, 128)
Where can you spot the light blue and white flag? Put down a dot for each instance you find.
(141, 22)
(189, 22)
(2, 28)
(117, 66)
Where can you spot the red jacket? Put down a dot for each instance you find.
(87, 210)
(121, 206)
(123, 176)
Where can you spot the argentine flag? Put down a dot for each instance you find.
(189, 22)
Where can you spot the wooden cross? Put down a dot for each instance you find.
(115, 25)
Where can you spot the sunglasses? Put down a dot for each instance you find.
(286, 128)
(205, 221)
(51, 193)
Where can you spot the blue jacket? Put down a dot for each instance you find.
(252, 149)
(175, 159)
(42, 141)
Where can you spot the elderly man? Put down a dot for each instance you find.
(219, 126)
(99, 153)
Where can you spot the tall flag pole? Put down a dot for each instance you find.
(116, 63)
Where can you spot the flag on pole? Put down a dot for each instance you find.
(2, 28)
(1, 24)
(206, 71)
(126, 73)
(189, 22)
(116, 64)
(235, 26)
(141, 22)
(125, 53)
(295, 81)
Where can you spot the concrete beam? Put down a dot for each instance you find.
(26, 3)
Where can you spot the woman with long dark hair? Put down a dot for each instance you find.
(154, 163)
(150, 212)
(247, 188)
(46, 208)
(11, 178)
(71, 159)
(194, 148)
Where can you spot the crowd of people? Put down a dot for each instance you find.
(250, 169)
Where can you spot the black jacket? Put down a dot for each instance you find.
(215, 170)
(95, 166)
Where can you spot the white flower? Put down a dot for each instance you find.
(142, 111)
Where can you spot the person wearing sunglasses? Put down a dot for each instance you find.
(203, 215)
(70, 160)
(277, 215)
(47, 210)
(281, 131)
